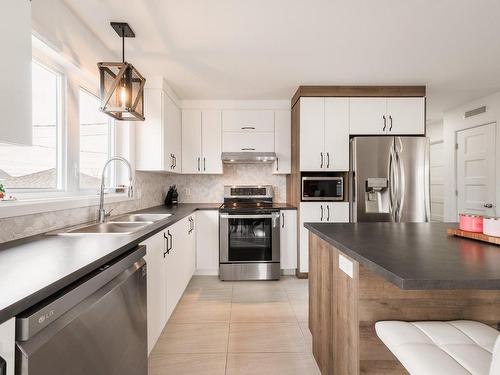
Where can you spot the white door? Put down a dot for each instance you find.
(288, 239)
(248, 120)
(248, 142)
(406, 115)
(173, 135)
(282, 142)
(476, 170)
(337, 134)
(367, 116)
(211, 132)
(207, 242)
(312, 212)
(191, 141)
(156, 287)
(312, 132)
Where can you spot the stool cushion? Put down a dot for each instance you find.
(460, 347)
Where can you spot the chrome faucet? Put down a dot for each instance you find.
(102, 214)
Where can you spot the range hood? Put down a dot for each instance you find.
(248, 157)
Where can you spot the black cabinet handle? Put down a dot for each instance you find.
(171, 161)
(175, 161)
(390, 123)
(167, 250)
(204, 164)
(247, 128)
(247, 149)
(283, 220)
(321, 212)
(385, 123)
(328, 212)
(198, 164)
(328, 160)
(277, 164)
(171, 240)
(321, 166)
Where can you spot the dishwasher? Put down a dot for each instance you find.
(97, 325)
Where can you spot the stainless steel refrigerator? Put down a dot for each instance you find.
(389, 179)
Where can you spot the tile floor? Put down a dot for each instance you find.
(237, 328)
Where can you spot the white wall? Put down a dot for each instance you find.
(454, 121)
(437, 165)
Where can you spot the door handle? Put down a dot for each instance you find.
(248, 149)
(247, 128)
(167, 250)
(321, 212)
(198, 164)
(390, 123)
(204, 164)
(282, 220)
(328, 160)
(175, 161)
(328, 212)
(321, 166)
(488, 205)
(385, 123)
(277, 164)
(171, 161)
(171, 240)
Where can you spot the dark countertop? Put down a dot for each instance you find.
(33, 268)
(416, 256)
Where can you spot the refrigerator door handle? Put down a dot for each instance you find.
(392, 183)
(401, 179)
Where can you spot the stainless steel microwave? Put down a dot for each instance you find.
(322, 188)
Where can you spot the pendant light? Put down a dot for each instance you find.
(122, 86)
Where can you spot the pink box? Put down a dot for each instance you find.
(471, 223)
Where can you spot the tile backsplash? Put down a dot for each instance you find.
(151, 189)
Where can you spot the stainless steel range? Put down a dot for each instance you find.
(249, 234)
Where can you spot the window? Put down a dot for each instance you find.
(36, 166)
(96, 135)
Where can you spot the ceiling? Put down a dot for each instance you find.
(264, 49)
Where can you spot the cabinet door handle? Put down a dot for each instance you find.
(198, 164)
(390, 123)
(247, 128)
(328, 160)
(385, 123)
(171, 241)
(277, 164)
(175, 161)
(167, 250)
(171, 161)
(321, 165)
(247, 149)
(282, 220)
(488, 205)
(204, 164)
(327, 212)
(321, 212)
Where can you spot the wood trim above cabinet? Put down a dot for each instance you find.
(358, 91)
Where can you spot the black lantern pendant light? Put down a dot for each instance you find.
(122, 86)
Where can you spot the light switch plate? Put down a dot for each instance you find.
(346, 266)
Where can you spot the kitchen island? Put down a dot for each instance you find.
(367, 272)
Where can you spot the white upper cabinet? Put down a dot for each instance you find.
(324, 134)
(248, 142)
(282, 142)
(248, 120)
(15, 65)
(406, 115)
(337, 134)
(201, 141)
(158, 138)
(211, 132)
(382, 116)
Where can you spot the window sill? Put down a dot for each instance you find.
(35, 206)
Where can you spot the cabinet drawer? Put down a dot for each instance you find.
(248, 120)
(242, 141)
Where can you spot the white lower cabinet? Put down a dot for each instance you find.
(170, 257)
(318, 212)
(207, 242)
(288, 240)
(8, 344)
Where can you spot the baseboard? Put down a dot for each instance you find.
(289, 272)
(302, 275)
(207, 272)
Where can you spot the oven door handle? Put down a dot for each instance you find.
(264, 216)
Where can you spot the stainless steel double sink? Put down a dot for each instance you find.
(126, 224)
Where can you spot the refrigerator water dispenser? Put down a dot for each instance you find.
(377, 195)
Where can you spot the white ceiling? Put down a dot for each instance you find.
(264, 49)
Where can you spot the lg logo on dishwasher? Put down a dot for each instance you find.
(44, 317)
